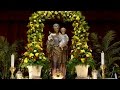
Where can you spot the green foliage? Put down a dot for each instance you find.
(110, 36)
(46, 71)
(111, 50)
(5, 56)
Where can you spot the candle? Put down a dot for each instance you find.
(102, 58)
(12, 60)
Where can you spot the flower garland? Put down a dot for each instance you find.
(80, 52)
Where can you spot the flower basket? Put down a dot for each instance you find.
(81, 59)
(34, 71)
(82, 71)
(34, 59)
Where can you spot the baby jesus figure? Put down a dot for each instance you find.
(64, 38)
(64, 55)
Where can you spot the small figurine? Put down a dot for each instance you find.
(94, 74)
(19, 75)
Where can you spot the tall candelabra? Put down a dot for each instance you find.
(12, 69)
(103, 70)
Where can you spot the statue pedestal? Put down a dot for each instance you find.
(57, 75)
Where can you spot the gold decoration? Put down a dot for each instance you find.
(12, 69)
(58, 75)
(103, 71)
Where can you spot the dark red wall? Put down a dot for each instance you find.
(13, 23)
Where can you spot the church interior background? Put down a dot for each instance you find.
(13, 26)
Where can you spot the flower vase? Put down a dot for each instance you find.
(82, 71)
(34, 71)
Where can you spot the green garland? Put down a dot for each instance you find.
(80, 54)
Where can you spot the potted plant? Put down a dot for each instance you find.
(80, 61)
(34, 60)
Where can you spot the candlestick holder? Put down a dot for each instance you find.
(103, 67)
(12, 69)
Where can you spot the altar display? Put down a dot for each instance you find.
(81, 54)
(56, 64)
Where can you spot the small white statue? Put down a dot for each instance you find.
(19, 75)
(94, 74)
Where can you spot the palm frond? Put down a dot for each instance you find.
(113, 46)
(95, 41)
(113, 60)
(107, 60)
(110, 36)
(94, 38)
(113, 51)
(13, 47)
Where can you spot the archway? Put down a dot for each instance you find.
(35, 34)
